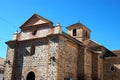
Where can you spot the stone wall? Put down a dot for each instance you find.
(100, 67)
(88, 64)
(95, 66)
(42, 63)
(1, 68)
(41, 32)
(80, 63)
(67, 60)
(110, 70)
(9, 62)
(37, 62)
(53, 59)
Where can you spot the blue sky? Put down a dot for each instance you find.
(102, 17)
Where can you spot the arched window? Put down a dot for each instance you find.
(30, 76)
(86, 34)
(34, 32)
(112, 68)
(74, 32)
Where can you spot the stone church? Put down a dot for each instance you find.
(42, 51)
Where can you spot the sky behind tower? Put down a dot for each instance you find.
(102, 17)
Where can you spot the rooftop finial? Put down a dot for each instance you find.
(15, 35)
(16, 32)
(58, 24)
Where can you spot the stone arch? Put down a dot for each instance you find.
(30, 76)
(30, 70)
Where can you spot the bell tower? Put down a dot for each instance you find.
(79, 31)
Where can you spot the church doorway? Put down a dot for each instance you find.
(30, 76)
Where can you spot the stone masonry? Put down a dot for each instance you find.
(41, 51)
(1, 68)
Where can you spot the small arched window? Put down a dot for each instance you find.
(74, 32)
(34, 32)
(86, 34)
(112, 68)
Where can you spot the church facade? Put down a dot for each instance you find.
(41, 51)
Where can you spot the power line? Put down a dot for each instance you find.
(3, 38)
(9, 23)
